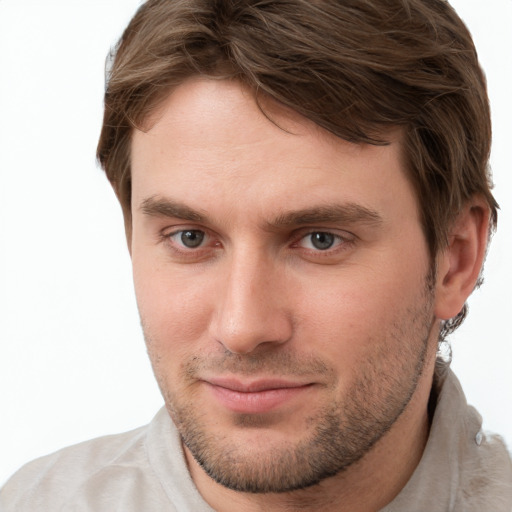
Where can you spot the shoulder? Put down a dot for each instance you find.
(462, 468)
(55, 481)
(484, 464)
(486, 474)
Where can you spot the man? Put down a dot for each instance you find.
(307, 208)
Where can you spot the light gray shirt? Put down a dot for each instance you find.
(462, 469)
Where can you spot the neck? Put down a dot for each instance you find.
(367, 485)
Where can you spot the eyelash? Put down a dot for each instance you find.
(337, 240)
(181, 249)
(340, 243)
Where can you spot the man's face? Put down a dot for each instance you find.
(283, 283)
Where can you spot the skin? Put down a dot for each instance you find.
(270, 348)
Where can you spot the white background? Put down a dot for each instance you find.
(72, 358)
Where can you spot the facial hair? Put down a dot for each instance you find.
(339, 433)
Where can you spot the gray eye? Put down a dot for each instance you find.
(322, 241)
(192, 238)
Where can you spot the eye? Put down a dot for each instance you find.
(189, 238)
(320, 241)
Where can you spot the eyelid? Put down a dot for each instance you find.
(184, 230)
(344, 241)
(338, 233)
(169, 231)
(166, 237)
(337, 239)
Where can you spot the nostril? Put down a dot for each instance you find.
(242, 333)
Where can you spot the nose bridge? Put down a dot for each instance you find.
(252, 308)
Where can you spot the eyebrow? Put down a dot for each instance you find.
(162, 207)
(347, 213)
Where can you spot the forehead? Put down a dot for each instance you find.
(211, 137)
(206, 111)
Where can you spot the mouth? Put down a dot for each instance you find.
(255, 396)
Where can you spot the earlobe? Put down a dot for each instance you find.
(460, 263)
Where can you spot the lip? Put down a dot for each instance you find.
(256, 396)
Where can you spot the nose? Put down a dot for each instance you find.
(252, 309)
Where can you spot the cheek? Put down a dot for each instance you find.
(342, 323)
(174, 308)
(346, 317)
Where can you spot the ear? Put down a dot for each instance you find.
(128, 230)
(460, 263)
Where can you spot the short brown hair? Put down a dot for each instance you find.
(354, 67)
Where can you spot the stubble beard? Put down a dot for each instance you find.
(341, 432)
